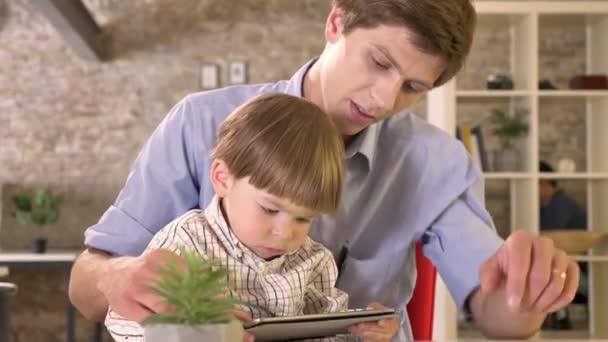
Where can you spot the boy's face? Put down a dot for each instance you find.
(268, 225)
(368, 75)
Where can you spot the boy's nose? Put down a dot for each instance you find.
(282, 232)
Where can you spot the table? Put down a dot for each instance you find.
(61, 260)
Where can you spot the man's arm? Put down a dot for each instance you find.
(89, 267)
(162, 185)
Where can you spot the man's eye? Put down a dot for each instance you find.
(413, 88)
(380, 65)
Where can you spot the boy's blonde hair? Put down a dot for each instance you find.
(287, 146)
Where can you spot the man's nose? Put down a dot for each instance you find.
(385, 92)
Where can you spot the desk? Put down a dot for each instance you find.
(61, 260)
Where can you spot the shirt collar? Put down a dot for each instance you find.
(366, 141)
(296, 83)
(215, 217)
(365, 144)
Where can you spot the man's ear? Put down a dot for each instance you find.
(334, 25)
(221, 178)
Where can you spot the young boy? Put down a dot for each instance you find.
(278, 163)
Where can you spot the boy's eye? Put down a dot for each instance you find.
(269, 211)
(303, 220)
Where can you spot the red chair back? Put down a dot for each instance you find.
(421, 306)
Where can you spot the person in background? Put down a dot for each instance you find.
(558, 210)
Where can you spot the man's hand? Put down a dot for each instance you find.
(526, 279)
(380, 331)
(538, 277)
(127, 285)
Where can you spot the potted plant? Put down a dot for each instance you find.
(197, 293)
(508, 129)
(40, 208)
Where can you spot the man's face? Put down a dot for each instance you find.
(370, 74)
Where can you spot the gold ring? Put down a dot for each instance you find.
(562, 275)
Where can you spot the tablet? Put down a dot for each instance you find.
(312, 326)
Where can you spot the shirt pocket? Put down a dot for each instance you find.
(386, 278)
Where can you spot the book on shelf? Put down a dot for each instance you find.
(472, 139)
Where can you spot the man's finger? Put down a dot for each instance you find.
(518, 255)
(490, 274)
(540, 277)
(557, 281)
(134, 312)
(572, 278)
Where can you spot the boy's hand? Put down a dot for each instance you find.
(243, 317)
(379, 331)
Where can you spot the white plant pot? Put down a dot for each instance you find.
(229, 332)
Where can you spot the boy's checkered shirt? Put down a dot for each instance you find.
(300, 282)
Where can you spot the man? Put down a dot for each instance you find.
(405, 181)
(557, 209)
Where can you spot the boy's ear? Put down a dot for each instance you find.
(334, 25)
(221, 178)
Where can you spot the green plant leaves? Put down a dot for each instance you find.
(40, 208)
(197, 291)
(509, 128)
(22, 202)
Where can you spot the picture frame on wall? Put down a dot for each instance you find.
(238, 72)
(210, 76)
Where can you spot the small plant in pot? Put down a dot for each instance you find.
(40, 208)
(197, 293)
(508, 129)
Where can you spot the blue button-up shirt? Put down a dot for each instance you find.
(406, 181)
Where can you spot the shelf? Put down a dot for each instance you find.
(533, 41)
(528, 175)
(572, 93)
(581, 175)
(492, 93)
(590, 258)
(507, 175)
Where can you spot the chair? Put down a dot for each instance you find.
(7, 290)
(421, 305)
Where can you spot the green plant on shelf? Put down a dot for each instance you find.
(508, 128)
(40, 207)
(197, 292)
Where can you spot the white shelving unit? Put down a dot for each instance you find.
(523, 23)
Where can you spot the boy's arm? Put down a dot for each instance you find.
(321, 294)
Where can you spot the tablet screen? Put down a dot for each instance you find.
(312, 326)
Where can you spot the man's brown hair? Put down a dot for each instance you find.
(287, 146)
(442, 28)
